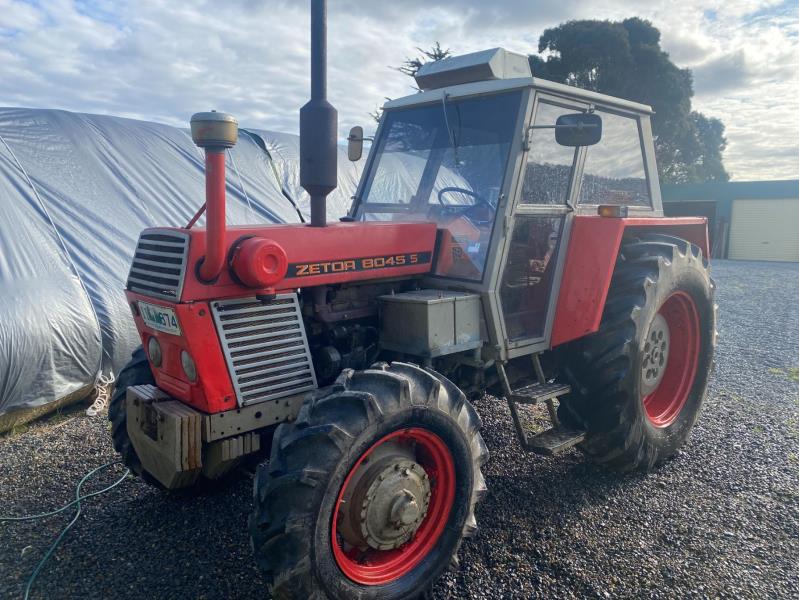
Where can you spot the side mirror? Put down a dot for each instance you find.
(355, 143)
(578, 129)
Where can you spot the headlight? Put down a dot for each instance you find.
(189, 368)
(154, 352)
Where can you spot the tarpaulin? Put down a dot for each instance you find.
(284, 150)
(75, 191)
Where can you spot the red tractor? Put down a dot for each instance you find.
(507, 237)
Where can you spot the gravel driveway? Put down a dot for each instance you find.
(721, 519)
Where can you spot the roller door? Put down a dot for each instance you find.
(765, 230)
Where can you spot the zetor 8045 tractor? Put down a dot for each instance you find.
(507, 238)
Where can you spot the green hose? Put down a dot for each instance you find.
(76, 501)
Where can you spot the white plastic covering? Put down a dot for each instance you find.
(75, 191)
(284, 150)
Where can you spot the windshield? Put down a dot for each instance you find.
(444, 162)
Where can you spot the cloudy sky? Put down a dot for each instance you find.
(165, 59)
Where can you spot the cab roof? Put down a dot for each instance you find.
(492, 71)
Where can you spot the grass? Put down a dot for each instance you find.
(49, 420)
(793, 427)
(791, 373)
(15, 431)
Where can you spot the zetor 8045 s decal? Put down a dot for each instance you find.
(507, 238)
(356, 264)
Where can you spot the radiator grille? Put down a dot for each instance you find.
(159, 264)
(265, 347)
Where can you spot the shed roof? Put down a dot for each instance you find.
(731, 190)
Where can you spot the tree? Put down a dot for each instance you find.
(411, 65)
(625, 59)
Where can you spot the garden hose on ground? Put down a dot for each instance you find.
(76, 502)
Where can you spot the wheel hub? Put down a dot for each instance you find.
(655, 355)
(394, 505)
(388, 502)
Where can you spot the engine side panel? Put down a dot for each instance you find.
(590, 260)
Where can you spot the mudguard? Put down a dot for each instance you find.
(591, 257)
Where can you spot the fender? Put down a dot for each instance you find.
(590, 259)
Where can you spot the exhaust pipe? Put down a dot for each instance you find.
(214, 132)
(318, 124)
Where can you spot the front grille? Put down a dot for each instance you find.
(159, 264)
(265, 347)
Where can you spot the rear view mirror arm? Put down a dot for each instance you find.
(529, 128)
(352, 138)
(578, 126)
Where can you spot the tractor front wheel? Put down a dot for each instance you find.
(641, 379)
(370, 491)
(136, 372)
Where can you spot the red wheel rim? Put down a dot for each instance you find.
(379, 567)
(663, 405)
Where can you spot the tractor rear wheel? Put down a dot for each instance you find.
(136, 372)
(641, 379)
(369, 493)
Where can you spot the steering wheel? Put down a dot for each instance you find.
(473, 194)
(470, 212)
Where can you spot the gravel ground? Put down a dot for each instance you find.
(721, 519)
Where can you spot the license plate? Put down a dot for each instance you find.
(161, 318)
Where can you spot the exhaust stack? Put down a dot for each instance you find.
(214, 132)
(318, 124)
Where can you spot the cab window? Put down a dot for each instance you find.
(614, 168)
(549, 165)
(445, 162)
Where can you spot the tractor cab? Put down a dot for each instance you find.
(501, 162)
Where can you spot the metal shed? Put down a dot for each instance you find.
(748, 220)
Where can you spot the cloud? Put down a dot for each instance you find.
(686, 50)
(720, 74)
(164, 60)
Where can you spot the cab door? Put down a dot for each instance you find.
(537, 232)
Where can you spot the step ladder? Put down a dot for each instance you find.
(558, 438)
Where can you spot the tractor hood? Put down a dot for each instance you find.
(166, 261)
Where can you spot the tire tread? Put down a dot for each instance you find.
(332, 417)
